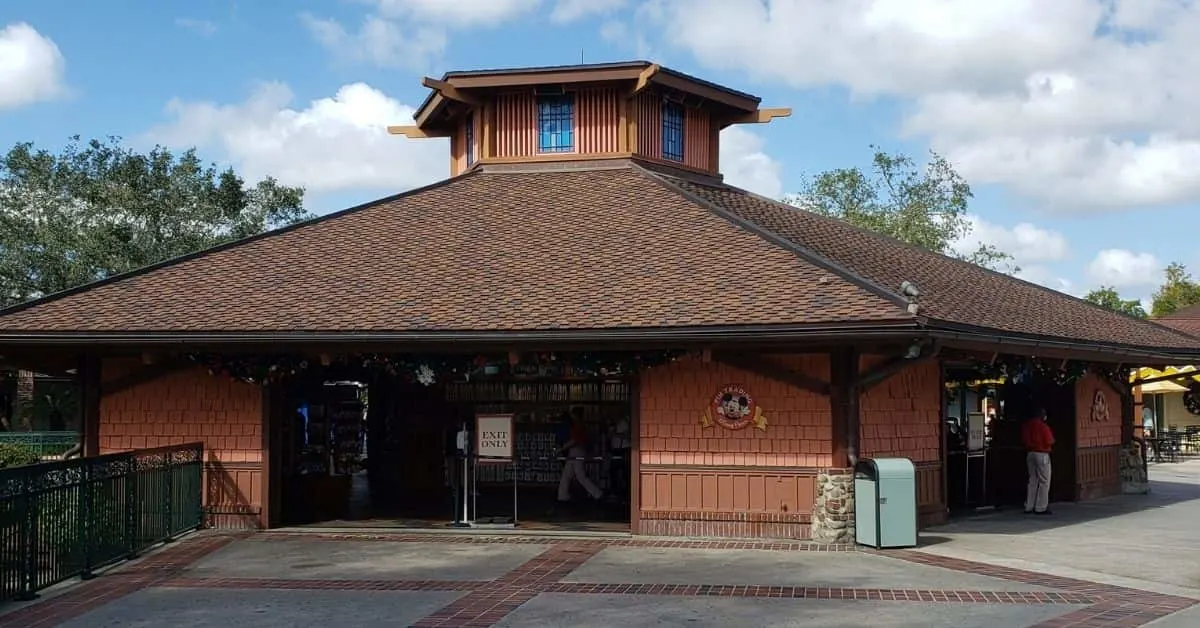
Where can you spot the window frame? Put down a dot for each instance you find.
(566, 124)
(673, 122)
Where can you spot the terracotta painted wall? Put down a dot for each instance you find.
(1098, 433)
(190, 406)
(901, 417)
(718, 482)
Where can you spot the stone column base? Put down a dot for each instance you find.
(833, 512)
(1134, 480)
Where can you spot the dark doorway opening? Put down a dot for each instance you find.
(411, 474)
(989, 470)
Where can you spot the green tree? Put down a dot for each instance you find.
(98, 208)
(1178, 291)
(1107, 297)
(925, 207)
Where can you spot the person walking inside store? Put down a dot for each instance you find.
(575, 449)
(1038, 439)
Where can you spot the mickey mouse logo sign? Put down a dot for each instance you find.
(1099, 407)
(733, 409)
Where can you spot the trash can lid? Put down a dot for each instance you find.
(897, 468)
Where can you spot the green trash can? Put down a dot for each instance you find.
(885, 503)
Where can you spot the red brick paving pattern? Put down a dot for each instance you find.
(488, 602)
(125, 579)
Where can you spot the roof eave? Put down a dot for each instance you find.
(1048, 346)
(882, 330)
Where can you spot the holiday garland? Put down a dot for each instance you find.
(1191, 398)
(432, 368)
(1019, 369)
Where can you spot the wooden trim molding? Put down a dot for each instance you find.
(697, 468)
(552, 157)
(803, 518)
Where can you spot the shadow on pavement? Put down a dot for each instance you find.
(1012, 520)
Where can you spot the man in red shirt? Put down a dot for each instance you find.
(1038, 439)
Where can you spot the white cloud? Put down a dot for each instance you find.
(745, 163)
(1120, 268)
(572, 10)
(32, 68)
(1026, 242)
(378, 42)
(334, 144)
(455, 13)
(1032, 247)
(1044, 276)
(1074, 103)
(203, 28)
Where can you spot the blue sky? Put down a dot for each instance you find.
(1073, 122)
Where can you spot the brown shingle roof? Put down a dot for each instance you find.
(534, 250)
(611, 246)
(952, 291)
(1186, 320)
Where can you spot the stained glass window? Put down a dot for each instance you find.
(556, 124)
(672, 132)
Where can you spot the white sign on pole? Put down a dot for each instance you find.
(976, 431)
(494, 437)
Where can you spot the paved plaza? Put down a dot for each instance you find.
(1127, 561)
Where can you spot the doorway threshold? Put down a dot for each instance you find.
(360, 530)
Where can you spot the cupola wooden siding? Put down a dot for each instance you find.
(577, 113)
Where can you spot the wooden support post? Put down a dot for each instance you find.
(88, 376)
(843, 406)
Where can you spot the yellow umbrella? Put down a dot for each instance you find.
(1163, 387)
(1186, 374)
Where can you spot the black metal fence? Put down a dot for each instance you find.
(67, 518)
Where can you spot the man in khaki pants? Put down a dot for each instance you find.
(1038, 439)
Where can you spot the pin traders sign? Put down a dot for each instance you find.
(733, 408)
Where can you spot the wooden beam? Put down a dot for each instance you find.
(415, 133)
(644, 78)
(143, 375)
(771, 371)
(762, 116)
(449, 91)
(888, 368)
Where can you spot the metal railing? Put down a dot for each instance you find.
(44, 444)
(68, 518)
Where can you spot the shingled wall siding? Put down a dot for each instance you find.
(901, 417)
(1097, 455)
(698, 481)
(190, 406)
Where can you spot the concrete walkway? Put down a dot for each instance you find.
(1150, 542)
(311, 579)
(1127, 561)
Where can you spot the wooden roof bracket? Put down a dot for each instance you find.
(448, 91)
(870, 378)
(413, 132)
(643, 80)
(761, 116)
(771, 371)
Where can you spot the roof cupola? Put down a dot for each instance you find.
(634, 109)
